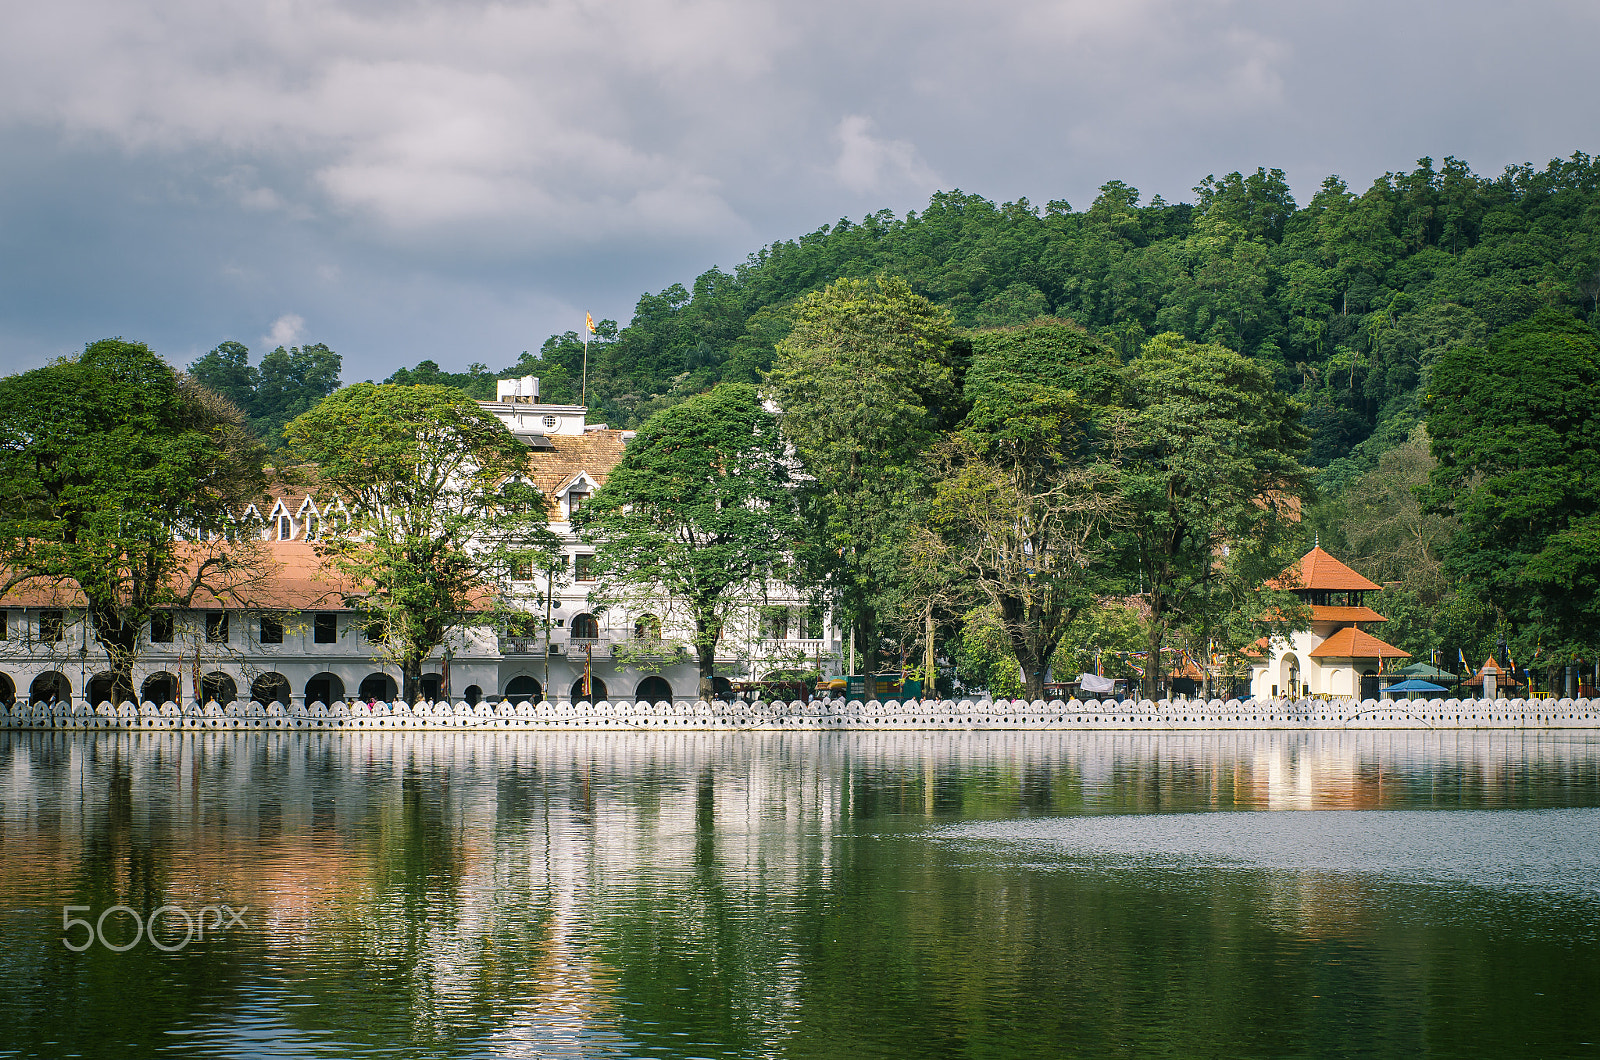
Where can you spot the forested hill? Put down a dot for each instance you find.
(1348, 297)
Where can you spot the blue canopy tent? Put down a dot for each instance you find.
(1411, 687)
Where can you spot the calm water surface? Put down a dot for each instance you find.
(808, 895)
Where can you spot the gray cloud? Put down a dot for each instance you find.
(456, 180)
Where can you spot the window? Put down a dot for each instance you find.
(3, 615)
(549, 422)
(584, 627)
(285, 528)
(583, 568)
(271, 629)
(161, 627)
(325, 628)
(372, 630)
(522, 569)
(52, 626)
(311, 528)
(647, 627)
(217, 627)
(575, 501)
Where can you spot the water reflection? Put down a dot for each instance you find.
(774, 893)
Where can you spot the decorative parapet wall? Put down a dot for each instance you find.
(837, 714)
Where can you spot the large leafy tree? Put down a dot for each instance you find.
(865, 383)
(1211, 475)
(121, 479)
(440, 517)
(285, 384)
(1516, 431)
(699, 514)
(1027, 496)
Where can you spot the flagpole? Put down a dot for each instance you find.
(584, 394)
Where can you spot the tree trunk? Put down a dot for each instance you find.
(707, 631)
(119, 639)
(1152, 659)
(410, 678)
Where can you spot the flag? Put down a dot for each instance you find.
(1463, 657)
(588, 324)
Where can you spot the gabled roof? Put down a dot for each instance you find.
(1351, 643)
(592, 453)
(1320, 571)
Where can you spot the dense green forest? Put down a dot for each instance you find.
(1348, 303)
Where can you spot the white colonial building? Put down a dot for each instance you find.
(286, 633)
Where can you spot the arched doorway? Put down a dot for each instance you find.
(218, 686)
(432, 685)
(472, 695)
(325, 688)
(1369, 684)
(159, 688)
(52, 687)
(1291, 676)
(524, 688)
(653, 690)
(721, 686)
(270, 688)
(585, 627)
(8, 690)
(103, 688)
(376, 688)
(597, 690)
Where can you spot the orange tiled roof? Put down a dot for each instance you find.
(1318, 570)
(1330, 613)
(1351, 643)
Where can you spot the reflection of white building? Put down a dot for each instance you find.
(1335, 657)
(288, 634)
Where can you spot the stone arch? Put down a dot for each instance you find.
(8, 690)
(1290, 675)
(597, 690)
(51, 687)
(270, 688)
(472, 694)
(377, 688)
(105, 688)
(218, 686)
(160, 687)
(325, 688)
(523, 687)
(653, 689)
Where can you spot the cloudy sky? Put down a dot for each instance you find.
(455, 180)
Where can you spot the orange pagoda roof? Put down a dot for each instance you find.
(1351, 643)
(1318, 570)
(1330, 613)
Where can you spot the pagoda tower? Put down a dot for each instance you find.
(1335, 657)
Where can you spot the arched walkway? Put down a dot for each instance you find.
(52, 687)
(523, 688)
(218, 686)
(160, 687)
(597, 690)
(721, 686)
(432, 686)
(8, 690)
(270, 688)
(1290, 681)
(653, 690)
(325, 688)
(472, 694)
(377, 688)
(103, 689)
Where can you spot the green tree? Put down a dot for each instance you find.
(864, 379)
(1516, 432)
(700, 509)
(440, 516)
(287, 383)
(1211, 471)
(1026, 499)
(122, 479)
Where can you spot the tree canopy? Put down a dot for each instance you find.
(120, 477)
(699, 515)
(285, 384)
(440, 516)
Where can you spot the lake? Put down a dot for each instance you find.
(745, 894)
